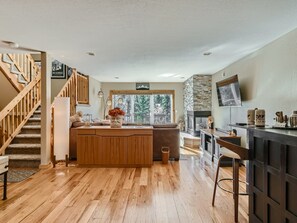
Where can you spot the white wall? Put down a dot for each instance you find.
(268, 80)
(94, 106)
(178, 87)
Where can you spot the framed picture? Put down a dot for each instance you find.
(58, 70)
(142, 86)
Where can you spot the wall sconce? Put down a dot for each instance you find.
(101, 94)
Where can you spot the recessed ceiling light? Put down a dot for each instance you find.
(116, 77)
(91, 53)
(206, 53)
(167, 75)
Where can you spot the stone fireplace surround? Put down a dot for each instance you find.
(197, 97)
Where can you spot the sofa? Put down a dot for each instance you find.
(163, 135)
(166, 135)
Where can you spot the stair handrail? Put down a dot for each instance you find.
(18, 111)
(26, 65)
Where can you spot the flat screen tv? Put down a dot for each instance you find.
(229, 92)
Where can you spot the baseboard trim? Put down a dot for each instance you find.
(45, 166)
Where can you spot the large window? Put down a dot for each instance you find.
(145, 107)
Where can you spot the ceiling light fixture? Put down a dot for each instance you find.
(116, 77)
(91, 53)
(207, 53)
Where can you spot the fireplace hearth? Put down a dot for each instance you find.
(197, 120)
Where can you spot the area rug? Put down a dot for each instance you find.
(17, 175)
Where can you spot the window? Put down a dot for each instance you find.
(145, 107)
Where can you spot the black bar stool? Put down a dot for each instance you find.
(237, 153)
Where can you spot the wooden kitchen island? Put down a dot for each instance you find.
(129, 146)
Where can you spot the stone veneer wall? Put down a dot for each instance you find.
(197, 94)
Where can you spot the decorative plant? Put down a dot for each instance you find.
(116, 112)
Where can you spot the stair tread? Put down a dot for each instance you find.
(34, 119)
(23, 145)
(37, 112)
(32, 127)
(24, 157)
(28, 136)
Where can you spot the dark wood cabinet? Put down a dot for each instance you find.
(273, 175)
(206, 144)
(211, 150)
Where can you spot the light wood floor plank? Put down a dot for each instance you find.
(177, 192)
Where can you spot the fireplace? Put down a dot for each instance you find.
(197, 120)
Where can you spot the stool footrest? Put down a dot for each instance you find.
(231, 192)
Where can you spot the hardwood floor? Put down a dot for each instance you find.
(177, 192)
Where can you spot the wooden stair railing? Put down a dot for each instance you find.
(19, 69)
(26, 65)
(18, 111)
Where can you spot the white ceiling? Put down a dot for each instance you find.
(146, 40)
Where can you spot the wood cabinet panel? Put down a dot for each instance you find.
(86, 145)
(272, 187)
(138, 151)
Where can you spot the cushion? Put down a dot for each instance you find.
(169, 125)
(228, 153)
(77, 124)
(75, 118)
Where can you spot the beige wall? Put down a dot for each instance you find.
(268, 80)
(57, 85)
(178, 87)
(94, 105)
(7, 91)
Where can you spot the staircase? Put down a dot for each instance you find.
(24, 150)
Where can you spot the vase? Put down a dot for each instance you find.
(293, 119)
(260, 118)
(251, 117)
(116, 121)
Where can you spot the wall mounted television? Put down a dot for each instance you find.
(229, 92)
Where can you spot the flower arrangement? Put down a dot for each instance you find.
(116, 112)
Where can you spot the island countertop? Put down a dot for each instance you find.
(123, 127)
(273, 175)
(128, 146)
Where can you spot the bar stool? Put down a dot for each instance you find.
(237, 153)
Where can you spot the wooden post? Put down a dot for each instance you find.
(45, 108)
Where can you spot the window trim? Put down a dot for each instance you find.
(149, 92)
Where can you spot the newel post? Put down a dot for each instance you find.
(46, 68)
